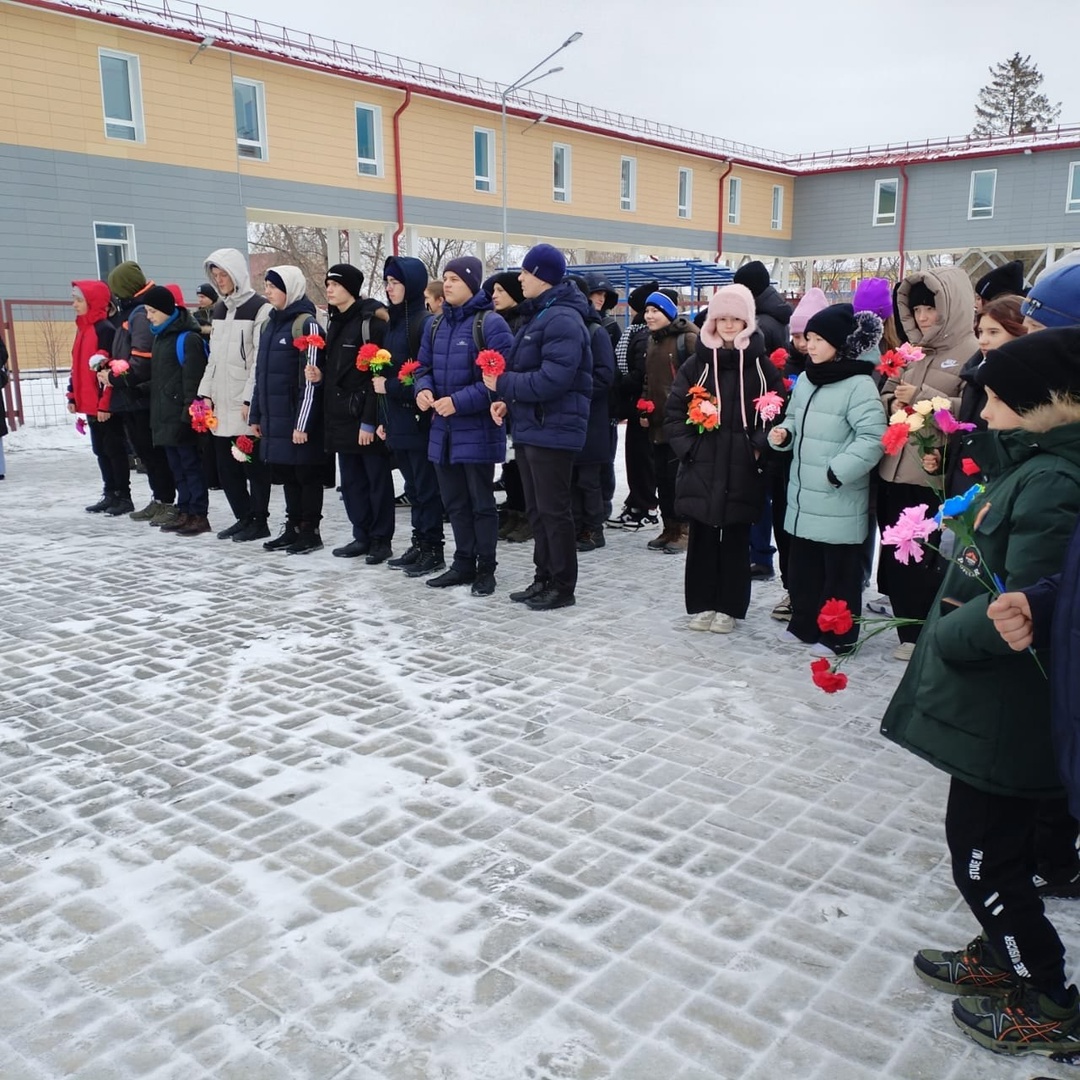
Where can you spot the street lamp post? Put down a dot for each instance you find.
(524, 81)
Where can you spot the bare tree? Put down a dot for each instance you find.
(294, 245)
(436, 251)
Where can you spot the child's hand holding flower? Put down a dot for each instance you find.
(778, 436)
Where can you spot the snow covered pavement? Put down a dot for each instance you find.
(295, 818)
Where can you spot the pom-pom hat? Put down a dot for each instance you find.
(730, 300)
(849, 332)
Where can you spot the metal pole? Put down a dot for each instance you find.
(502, 181)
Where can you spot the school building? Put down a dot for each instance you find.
(131, 130)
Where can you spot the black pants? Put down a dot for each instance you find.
(515, 494)
(260, 479)
(425, 502)
(640, 471)
(607, 473)
(718, 569)
(158, 474)
(588, 497)
(992, 844)
(778, 484)
(818, 572)
(546, 476)
(232, 477)
(303, 486)
(911, 589)
(666, 467)
(110, 448)
(192, 494)
(469, 499)
(367, 490)
(206, 442)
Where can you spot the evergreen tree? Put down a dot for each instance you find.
(1011, 104)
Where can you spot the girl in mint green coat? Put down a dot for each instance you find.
(833, 428)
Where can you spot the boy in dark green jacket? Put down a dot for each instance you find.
(981, 712)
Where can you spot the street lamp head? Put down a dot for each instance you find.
(553, 71)
(572, 38)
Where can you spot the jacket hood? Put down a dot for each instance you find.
(295, 283)
(565, 294)
(770, 302)
(1058, 413)
(1047, 429)
(98, 297)
(412, 273)
(954, 299)
(235, 265)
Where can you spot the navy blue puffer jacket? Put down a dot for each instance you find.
(448, 369)
(548, 379)
(407, 428)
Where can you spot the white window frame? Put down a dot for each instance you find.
(1072, 192)
(777, 221)
(261, 146)
(686, 201)
(880, 218)
(628, 202)
(375, 163)
(128, 243)
(135, 124)
(981, 213)
(561, 194)
(734, 200)
(479, 180)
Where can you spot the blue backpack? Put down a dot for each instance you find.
(180, 339)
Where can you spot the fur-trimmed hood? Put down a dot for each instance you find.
(1059, 412)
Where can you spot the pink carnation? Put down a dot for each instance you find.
(948, 423)
(912, 527)
(769, 406)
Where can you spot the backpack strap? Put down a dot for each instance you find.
(680, 348)
(478, 330)
(181, 339)
(435, 328)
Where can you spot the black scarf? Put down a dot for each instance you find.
(835, 371)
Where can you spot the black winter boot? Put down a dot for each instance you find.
(289, 535)
(431, 559)
(410, 558)
(307, 540)
(484, 585)
(255, 528)
(121, 504)
(379, 553)
(458, 574)
(103, 504)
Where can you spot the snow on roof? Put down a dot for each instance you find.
(226, 29)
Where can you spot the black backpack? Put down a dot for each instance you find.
(477, 329)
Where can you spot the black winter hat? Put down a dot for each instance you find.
(348, 277)
(1001, 280)
(207, 290)
(159, 298)
(920, 295)
(1027, 371)
(508, 282)
(835, 324)
(754, 276)
(636, 299)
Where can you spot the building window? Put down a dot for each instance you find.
(734, 200)
(1072, 205)
(777, 207)
(628, 184)
(483, 159)
(885, 201)
(250, 105)
(115, 244)
(560, 172)
(121, 95)
(369, 161)
(981, 198)
(686, 192)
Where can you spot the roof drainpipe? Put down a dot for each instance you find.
(720, 213)
(397, 171)
(903, 224)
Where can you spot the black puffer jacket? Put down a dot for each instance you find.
(133, 342)
(719, 480)
(173, 386)
(349, 399)
(773, 315)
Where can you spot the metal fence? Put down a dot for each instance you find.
(38, 334)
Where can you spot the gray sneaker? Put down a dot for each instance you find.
(147, 512)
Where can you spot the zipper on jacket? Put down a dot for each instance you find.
(802, 435)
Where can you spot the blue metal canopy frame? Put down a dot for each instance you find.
(692, 274)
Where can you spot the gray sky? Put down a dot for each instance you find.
(788, 75)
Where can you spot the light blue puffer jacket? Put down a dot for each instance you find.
(835, 427)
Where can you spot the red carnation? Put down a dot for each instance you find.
(366, 354)
(779, 358)
(824, 677)
(969, 467)
(491, 362)
(407, 372)
(644, 405)
(245, 443)
(895, 438)
(835, 617)
(790, 384)
(307, 341)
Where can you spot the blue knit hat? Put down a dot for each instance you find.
(469, 268)
(1054, 300)
(662, 303)
(545, 262)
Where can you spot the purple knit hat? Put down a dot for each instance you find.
(873, 294)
